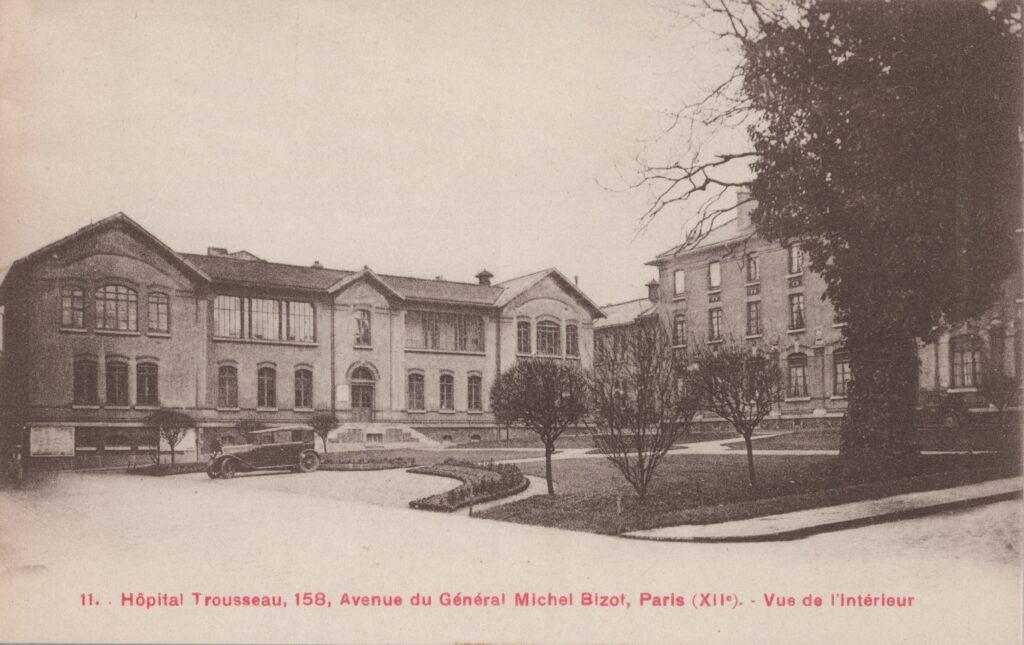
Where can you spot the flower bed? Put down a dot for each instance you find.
(369, 464)
(159, 470)
(480, 483)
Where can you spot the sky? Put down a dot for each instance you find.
(417, 138)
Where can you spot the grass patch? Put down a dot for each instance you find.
(930, 439)
(480, 483)
(701, 489)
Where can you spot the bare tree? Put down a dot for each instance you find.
(171, 426)
(739, 382)
(639, 400)
(546, 396)
(323, 423)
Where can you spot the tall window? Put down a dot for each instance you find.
(85, 391)
(840, 373)
(146, 384)
(117, 308)
(72, 308)
(754, 318)
(447, 392)
(966, 361)
(474, 393)
(796, 311)
(796, 258)
(300, 322)
(572, 340)
(753, 271)
(159, 313)
(714, 275)
(303, 388)
(117, 383)
(444, 331)
(227, 387)
(549, 338)
(227, 317)
(679, 282)
(714, 324)
(266, 387)
(363, 337)
(797, 382)
(265, 320)
(679, 330)
(416, 400)
(523, 337)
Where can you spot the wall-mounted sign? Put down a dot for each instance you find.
(51, 442)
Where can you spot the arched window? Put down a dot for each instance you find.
(227, 387)
(85, 391)
(117, 308)
(363, 331)
(474, 394)
(447, 392)
(840, 373)
(523, 337)
(549, 338)
(303, 388)
(572, 340)
(415, 393)
(966, 361)
(146, 384)
(72, 308)
(362, 373)
(266, 387)
(474, 437)
(117, 383)
(797, 381)
(159, 313)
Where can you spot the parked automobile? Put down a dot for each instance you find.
(288, 447)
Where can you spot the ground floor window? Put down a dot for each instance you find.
(966, 361)
(840, 373)
(797, 381)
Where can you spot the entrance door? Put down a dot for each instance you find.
(362, 401)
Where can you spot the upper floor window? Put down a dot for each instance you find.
(715, 324)
(679, 282)
(227, 317)
(679, 330)
(117, 384)
(796, 386)
(72, 308)
(447, 392)
(159, 313)
(84, 376)
(227, 387)
(265, 319)
(266, 387)
(414, 396)
(523, 337)
(966, 361)
(753, 318)
(117, 308)
(796, 258)
(303, 388)
(840, 373)
(474, 393)
(549, 338)
(572, 340)
(300, 321)
(753, 271)
(363, 337)
(444, 331)
(714, 274)
(796, 311)
(146, 384)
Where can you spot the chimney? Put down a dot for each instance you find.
(484, 277)
(317, 265)
(216, 250)
(743, 210)
(652, 290)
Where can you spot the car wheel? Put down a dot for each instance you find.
(211, 471)
(309, 461)
(228, 469)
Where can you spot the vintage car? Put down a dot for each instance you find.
(279, 448)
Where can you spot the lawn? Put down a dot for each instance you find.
(427, 457)
(585, 440)
(937, 439)
(702, 489)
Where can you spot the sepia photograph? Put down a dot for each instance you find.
(586, 321)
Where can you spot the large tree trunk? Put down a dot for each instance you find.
(750, 460)
(877, 432)
(547, 468)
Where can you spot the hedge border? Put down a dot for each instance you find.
(437, 470)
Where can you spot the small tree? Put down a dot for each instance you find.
(999, 390)
(545, 396)
(171, 426)
(740, 383)
(323, 423)
(639, 400)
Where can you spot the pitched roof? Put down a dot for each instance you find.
(623, 313)
(512, 288)
(224, 268)
(720, 233)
